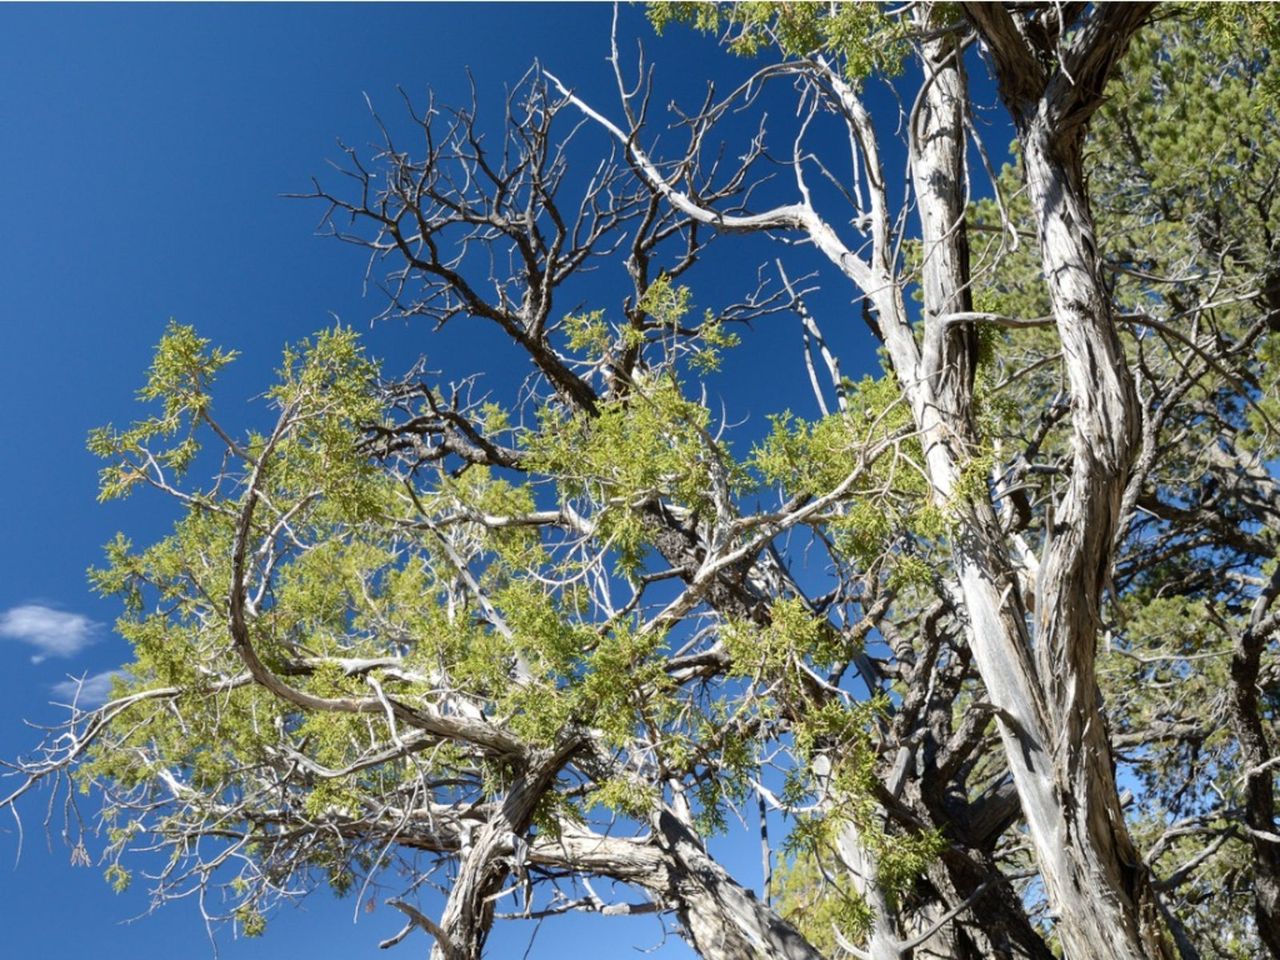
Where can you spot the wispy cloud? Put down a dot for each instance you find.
(54, 633)
(93, 690)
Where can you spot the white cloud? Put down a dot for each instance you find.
(54, 633)
(93, 690)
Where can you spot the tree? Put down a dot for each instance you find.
(521, 641)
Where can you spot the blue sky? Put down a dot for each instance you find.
(144, 151)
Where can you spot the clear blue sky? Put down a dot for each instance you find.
(143, 154)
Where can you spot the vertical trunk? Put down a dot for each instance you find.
(948, 943)
(468, 913)
(1096, 880)
(949, 352)
(995, 926)
(1050, 724)
(997, 624)
(1049, 713)
(1255, 757)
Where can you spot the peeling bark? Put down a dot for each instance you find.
(722, 919)
(1256, 761)
(1054, 728)
(484, 868)
(1049, 712)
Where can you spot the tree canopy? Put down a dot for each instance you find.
(991, 636)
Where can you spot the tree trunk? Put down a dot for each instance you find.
(995, 927)
(1094, 874)
(1051, 726)
(1049, 712)
(1255, 757)
(722, 920)
(483, 869)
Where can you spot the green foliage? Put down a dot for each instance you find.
(659, 323)
(667, 303)
(792, 635)
(182, 371)
(118, 877)
(616, 672)
(329, 386)
(812, 458)
(815, 898)
(326, 599)
(624, 796)
(456, 589)
(713, 340)
(814, 891)
(974, 478)
(860, 35)
(252, 923)
(889, 501)
(652, 443)
(588, 333)
(728, 755)
(1256, 28)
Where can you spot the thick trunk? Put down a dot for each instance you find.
(1049, 713)
(1255, 759)
(722, 920)
(1051, 725)
(949, 352)
(468, 913)
(1259, 805)
(995, 926)
(484, 868)
(1091, 869)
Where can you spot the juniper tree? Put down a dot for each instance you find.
(509, 644)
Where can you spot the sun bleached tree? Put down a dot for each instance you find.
(993, 633)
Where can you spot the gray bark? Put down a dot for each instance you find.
(990, 928)
(1052, 724)
(484, 868)
(1044, 691)
(1050, 717)
(1256, 762)
(721, 919)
